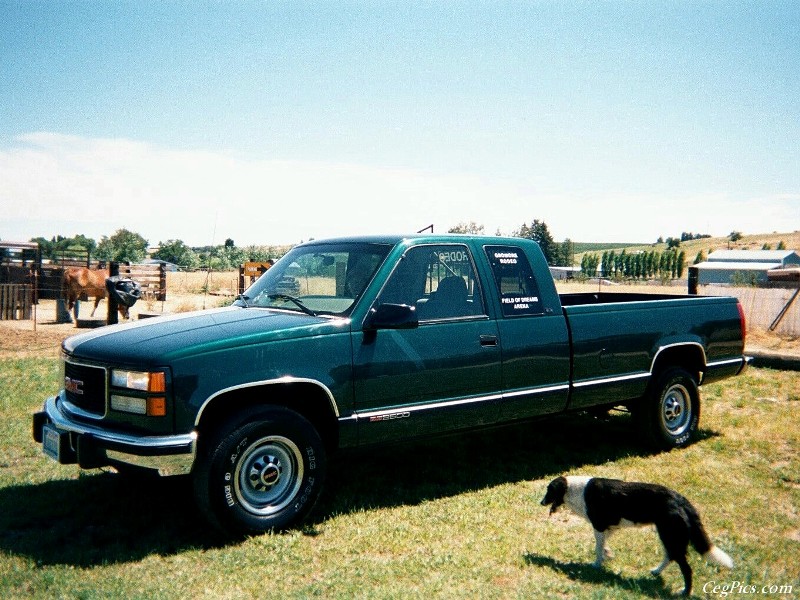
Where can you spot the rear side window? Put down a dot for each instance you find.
(516, 286)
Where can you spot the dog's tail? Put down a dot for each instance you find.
(720, 557)
(701, 541)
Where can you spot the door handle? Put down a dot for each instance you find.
(488, 340)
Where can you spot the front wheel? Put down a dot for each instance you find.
(669, 413)
(263, 472)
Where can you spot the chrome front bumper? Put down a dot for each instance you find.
(71, 442)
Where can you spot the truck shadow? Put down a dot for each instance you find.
(409, 474)
(104, 518)
(98, 518)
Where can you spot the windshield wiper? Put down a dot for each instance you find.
(296, 301)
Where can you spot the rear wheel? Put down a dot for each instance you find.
(669, 413)
(263, 472)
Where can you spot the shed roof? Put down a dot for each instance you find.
(751, 255)
(738, 266)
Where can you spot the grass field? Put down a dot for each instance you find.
(451, 518)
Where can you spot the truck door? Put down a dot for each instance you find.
(443, 374)
(533, 332)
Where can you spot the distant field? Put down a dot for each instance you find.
(582, 247)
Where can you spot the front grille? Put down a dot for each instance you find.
(85, 387)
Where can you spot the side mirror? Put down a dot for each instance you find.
(391, 316)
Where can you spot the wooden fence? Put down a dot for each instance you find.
(763, 306)
(15, 302)
(250, 271)
(152, 278)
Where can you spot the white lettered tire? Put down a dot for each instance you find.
(263, 472)
(669, 414)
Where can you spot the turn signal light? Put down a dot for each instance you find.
(156, 406)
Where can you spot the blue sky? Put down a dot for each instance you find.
(272, 122)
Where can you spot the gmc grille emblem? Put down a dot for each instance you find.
(74, 386)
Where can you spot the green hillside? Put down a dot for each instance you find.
(757, 241)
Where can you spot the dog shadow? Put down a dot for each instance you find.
(651, 586)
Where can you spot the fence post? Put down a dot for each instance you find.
(113, 314)
(694, 275)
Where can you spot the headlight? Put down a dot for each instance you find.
(152, 406)
(148, 397)
(139, 380)
(137, 406)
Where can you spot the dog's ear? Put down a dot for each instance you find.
(556, 491)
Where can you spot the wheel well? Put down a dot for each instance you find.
(689, 357)
(307, 399)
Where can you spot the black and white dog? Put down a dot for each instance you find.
(609, 504)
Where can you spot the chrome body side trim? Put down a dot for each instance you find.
(459, 402)
(617, 379)
(676, 345)
(267, 382)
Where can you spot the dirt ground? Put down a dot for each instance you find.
(43, 336)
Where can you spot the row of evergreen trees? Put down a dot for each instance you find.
(640, 265)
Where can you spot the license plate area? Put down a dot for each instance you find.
(56, 445)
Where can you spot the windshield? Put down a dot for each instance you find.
(317, 279)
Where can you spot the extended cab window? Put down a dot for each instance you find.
(438, 280)
(516, 286)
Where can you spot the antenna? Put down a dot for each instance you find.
(208, 272)
(428, 228)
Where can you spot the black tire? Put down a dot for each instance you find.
(263, 472)
(669, 413)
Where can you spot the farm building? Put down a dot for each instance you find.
(564, 273)
(744, 266)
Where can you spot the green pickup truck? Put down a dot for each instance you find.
(350, 342)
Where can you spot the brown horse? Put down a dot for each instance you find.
(80, 281)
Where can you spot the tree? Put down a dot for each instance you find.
(57, 246)
(680, 264)
(565, 253)
(123, 246)
(589, 264)
(701, 257)
(735, 236)
(471, 227)
(539, 233)
(175, 251)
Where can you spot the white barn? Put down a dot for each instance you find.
(745, 266)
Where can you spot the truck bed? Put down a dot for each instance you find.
(583, 298)
(616, 340)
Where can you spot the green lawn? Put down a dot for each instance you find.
(451, 518)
